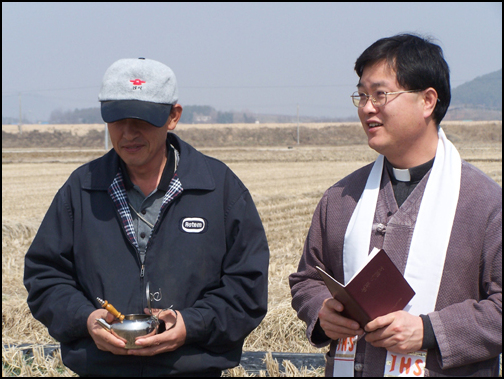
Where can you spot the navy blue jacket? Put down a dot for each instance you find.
(214, 274)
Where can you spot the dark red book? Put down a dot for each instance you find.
(376, 290)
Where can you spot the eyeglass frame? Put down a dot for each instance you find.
(373, 99)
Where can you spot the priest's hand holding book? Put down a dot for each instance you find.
(398, 332)
(335, 325)
(372, 302)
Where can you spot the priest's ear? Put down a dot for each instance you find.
(430, 100)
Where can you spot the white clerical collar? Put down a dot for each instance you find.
(402, 175)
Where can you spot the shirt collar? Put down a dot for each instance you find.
(412, 175)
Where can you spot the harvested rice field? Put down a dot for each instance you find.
(286, 181)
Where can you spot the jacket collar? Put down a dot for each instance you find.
(193, 169)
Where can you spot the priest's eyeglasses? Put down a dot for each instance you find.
(379, 99)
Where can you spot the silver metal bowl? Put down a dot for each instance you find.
(133, 326)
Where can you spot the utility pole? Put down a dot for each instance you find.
(19, 124)
(298, 124)
(106, 137)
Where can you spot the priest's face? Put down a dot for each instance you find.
(396, 128)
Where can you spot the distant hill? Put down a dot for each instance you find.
(484, 91)
(479, 99)
(192, 114)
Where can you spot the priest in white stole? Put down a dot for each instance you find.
(437, 217)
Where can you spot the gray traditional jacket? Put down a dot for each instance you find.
(467, 320)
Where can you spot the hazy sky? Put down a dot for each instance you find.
(258, 57)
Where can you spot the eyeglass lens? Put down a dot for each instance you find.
(360, 99)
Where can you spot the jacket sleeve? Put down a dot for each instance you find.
(307, 288)
(223, 318)
(471, 331)
(54, 296)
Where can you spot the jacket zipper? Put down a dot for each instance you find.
(142, 258)
(142, 265)
(142, 262)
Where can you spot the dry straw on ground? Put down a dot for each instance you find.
(286, 184)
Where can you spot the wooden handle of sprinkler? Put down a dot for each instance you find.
(109, 307)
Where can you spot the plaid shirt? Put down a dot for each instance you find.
(117, 192)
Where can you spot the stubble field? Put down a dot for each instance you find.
(286, 183)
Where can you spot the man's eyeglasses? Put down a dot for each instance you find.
(379, 99)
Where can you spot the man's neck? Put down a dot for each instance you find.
(148, 178)
(422, 151)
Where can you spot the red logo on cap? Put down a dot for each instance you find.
(137, 82)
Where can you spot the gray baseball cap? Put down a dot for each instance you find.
(140, 88)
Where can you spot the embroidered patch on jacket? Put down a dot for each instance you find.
(193, 225)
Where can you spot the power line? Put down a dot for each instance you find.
(8, 93)
(15, 93)
(12, 93)
(262, 87)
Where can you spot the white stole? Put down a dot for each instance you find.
(424, 267)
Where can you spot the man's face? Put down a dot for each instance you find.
(141, 145)
(393, 129)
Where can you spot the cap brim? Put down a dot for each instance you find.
(153, 113)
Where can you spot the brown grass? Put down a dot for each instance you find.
(234, 135)
(286, 185)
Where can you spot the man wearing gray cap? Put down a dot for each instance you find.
(152, 215)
